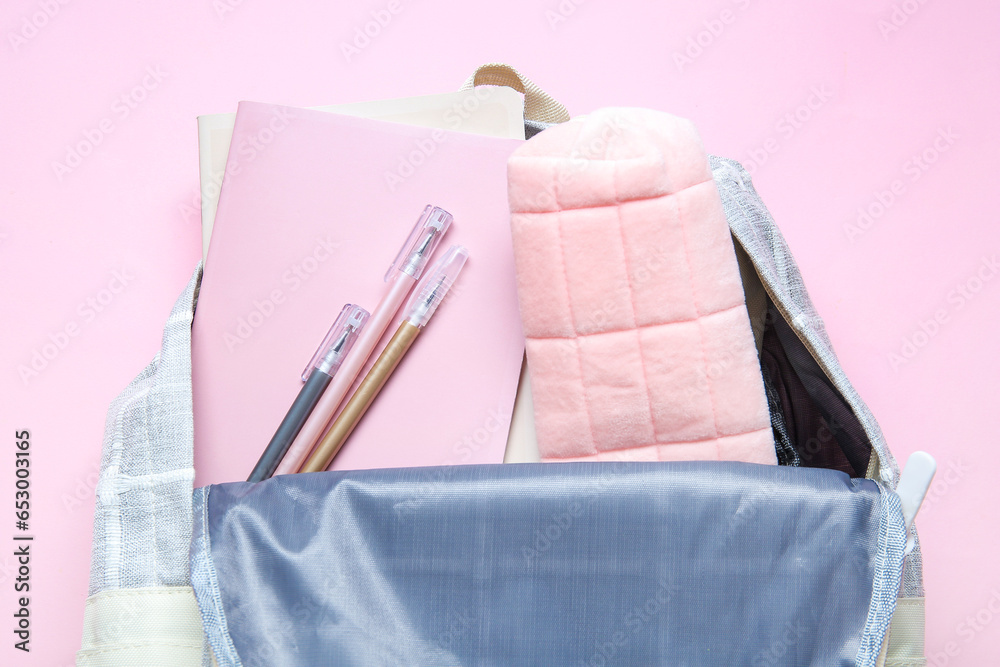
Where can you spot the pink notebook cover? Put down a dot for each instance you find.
(314, 208)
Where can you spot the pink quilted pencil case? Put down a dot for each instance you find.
(638, 339)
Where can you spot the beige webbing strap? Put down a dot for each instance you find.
(905, 639)
(538, 105)
(142, 626)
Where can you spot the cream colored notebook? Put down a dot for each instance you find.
(486, 110)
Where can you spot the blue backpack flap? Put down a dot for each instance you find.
(583, 564)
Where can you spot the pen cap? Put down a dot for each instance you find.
(420, 245)
(338, 341)
(432, 289)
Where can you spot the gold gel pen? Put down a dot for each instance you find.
(425, 300)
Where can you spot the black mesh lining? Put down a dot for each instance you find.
(786, 453)
(818, 421)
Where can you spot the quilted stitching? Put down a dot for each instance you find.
(638, 340)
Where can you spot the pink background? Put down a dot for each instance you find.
(131, 206)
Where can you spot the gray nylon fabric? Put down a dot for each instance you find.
(681, 563)
(533, 127)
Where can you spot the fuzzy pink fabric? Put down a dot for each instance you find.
(639, 344)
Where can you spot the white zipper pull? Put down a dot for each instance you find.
(913, 484)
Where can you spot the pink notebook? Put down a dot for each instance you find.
(314, 208)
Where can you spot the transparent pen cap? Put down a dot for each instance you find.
(434, 287)
(420, 245)
(338, 341)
